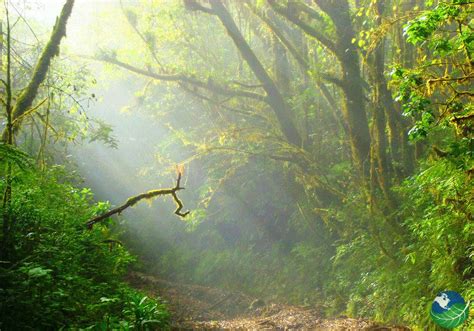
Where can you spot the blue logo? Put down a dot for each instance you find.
(449, 309)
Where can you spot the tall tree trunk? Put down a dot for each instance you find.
(6, 203)
(354, 110)
(281, 67)
(274, 98)
(351, 82)
(383, 114)
(22, 105)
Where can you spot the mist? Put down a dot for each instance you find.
(240, 164)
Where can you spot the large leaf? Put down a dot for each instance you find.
(456, 315)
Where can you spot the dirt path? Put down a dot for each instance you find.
(199, 307)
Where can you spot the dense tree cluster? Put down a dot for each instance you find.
(336, 138)
(329, 148)
(54, 273)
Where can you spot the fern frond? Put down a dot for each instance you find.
(12, 154)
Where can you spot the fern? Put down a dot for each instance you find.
(13, 155)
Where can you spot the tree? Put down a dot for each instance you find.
(15, 113)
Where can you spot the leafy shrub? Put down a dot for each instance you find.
(60, 274)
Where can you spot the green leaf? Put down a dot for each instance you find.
(455, 316)
(38, 272)
(10, 153)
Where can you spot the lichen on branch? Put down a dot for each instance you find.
(147, 195)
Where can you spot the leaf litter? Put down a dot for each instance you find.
(196, 307)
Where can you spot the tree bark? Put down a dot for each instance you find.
(303, 66)
(147, 195)
(351, 82)
(26, 98)
(274, 98)
(354, 109)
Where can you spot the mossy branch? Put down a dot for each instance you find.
(147, 195)
(26, 98)
(29, 112)
(210, 85)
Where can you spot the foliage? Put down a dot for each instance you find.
(12, 155)
(379, 244)
(56, 274)
(355, 220)
(436, 91)
(60, 274)
(138, 313)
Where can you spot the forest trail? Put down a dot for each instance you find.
(200, 307)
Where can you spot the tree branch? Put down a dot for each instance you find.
(459, 119)
(25, 100)
(304, 26)
(147, 195)
(221, 104)
(333, 79)
(28, 112)
(303, 63)
(210, 85)
(193, 5)
(274, 98)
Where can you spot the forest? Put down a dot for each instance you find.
(236, 164)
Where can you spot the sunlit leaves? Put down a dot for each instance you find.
(195, 217)
(432, 93)
(423, 27)
(102, 132)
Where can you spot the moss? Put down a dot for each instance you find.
(147, 196)
(26, 98)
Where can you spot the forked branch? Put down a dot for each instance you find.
(147, 195)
